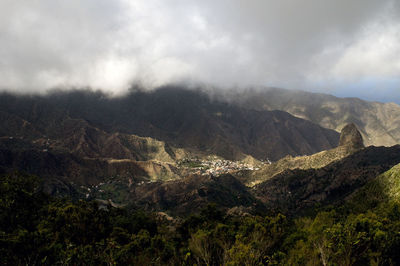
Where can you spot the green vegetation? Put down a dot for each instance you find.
(191, 164)
(315, 161)
(383, 189)
(38, 229)
(117, 191)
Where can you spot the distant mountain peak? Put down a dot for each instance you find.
(350, 136)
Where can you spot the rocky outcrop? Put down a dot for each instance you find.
(350, 142)
(379, 123)
(350, 136)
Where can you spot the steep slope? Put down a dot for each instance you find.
(350, 142)
(73, 150)
(83, 171)
(379, 123)
(84, 143)
(294, 190)
(351, 137)
(181, 118)
(191, 194)
(384, 188)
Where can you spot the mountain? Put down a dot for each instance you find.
(63, 173)
(379, 123)
(145, 179)
(292, 191)
(350, 142)
(86, 144)
(89, 124)
(177, 150)
(384, 188)
(72, 150)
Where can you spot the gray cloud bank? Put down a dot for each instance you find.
(307, 44)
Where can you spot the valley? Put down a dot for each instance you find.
(195, 165)
(200, 133)
(122, 150)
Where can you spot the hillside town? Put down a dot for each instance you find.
(215, 166)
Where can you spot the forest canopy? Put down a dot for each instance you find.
(39, 229)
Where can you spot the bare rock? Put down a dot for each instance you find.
(350, 136)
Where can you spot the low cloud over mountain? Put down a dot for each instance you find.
(109, 45)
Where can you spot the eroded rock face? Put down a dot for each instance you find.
(350, 136)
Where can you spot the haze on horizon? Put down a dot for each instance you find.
(345, 48)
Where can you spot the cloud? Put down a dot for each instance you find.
(111, 44)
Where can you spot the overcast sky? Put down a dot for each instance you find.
(341, 47)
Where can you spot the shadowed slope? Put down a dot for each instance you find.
(181, 118)
(350, 142)
(294, 190)
(384, 188)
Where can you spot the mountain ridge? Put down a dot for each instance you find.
(167, 150)
(350, 142)
(379, 123)
(296, 189)
(181, 118)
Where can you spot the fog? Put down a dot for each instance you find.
(347, 48)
